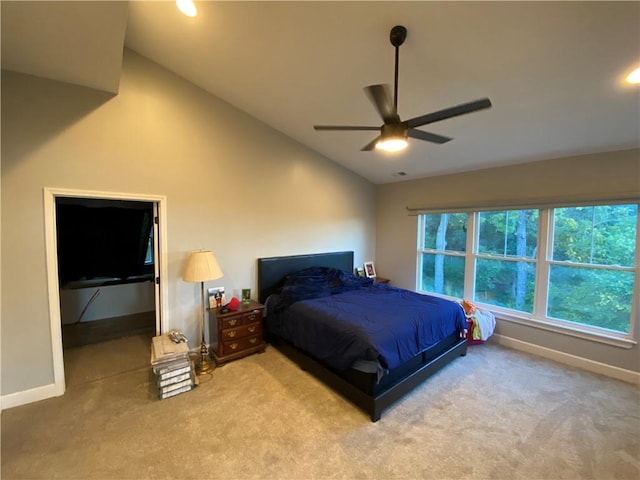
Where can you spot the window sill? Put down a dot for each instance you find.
(614, 340)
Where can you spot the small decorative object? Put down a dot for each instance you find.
(359, 272)
(369, 269)
(233, 304)
(246, 295)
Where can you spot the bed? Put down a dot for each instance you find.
(372, 376)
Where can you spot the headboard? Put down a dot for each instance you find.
(272, 270)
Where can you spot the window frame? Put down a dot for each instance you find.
(543, 261)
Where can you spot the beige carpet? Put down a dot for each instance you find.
(495, 413)
(98, 331)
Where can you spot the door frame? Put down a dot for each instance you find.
(51, 254)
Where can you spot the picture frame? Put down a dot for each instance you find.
(369, 269)
(246, 295)
(359, 272)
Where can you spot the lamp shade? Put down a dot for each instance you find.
(202, 266)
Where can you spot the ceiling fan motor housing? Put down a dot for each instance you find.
(393, 130)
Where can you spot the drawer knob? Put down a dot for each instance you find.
(252, 316)
(253, 340)
(233, 322)
(233, 346)
(231, 334)
(252, 329)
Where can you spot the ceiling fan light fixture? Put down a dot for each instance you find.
(392, 144)
(187, 7)
(393, 138)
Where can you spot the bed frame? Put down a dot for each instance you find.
(363, 389)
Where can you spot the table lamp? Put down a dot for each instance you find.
(202, 266)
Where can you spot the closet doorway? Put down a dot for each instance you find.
(106, 259)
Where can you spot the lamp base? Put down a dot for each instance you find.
(205, 366)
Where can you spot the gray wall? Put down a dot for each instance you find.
(233, 185)
(97, 303)
(594, 176)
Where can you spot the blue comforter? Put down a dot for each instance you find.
(345, 318)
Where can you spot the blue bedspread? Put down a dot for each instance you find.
(362, 321)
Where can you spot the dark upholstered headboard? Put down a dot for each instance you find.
(272, 270)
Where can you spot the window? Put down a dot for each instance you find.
(443, 253)
(591, 271)
(505, 258)
(571, 267)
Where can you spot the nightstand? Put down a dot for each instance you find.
(380, 280)
(234, 335)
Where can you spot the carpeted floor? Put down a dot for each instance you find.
(98, 331)
(495, 413)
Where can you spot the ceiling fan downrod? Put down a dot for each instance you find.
(397, 37)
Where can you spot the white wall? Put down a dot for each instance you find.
(233, 185)
(594, 175)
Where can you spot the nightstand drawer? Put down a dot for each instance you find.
(241, 332)
(231, 322)
(241, 344)
(252, 317)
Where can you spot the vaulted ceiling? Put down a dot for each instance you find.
(553, 70)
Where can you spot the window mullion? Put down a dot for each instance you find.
(470, 260)
(545, 245)
(420, 249)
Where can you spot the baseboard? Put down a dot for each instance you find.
(29, 396)
(568, 359)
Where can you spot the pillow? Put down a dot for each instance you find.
(317, 282)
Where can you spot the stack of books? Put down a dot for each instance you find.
(171, 363)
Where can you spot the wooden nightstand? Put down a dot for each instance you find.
(234, 335)
(381, 280)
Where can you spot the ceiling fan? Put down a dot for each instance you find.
(394, 132)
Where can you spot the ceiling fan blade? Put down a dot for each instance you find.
(371, 145)
(449, 112)
(429, 137)
(344, 127)
(381, 99)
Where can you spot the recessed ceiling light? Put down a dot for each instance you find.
(634, 77)
(187, 7)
